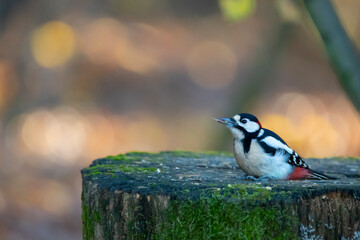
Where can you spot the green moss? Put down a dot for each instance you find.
(248, 192)
(216, 220)
(221, 154)
(111, 169)
(348, 158)
(137, 153)
(119, 157)
(224, 215)
(180, 153)
(133, 157)
(256, 194)
(126, 158)
(127, 168)
(189, 154)
(136, 161)
(96, 217)
(95, 173)
(87, 220)
(209, 211)
(144, 156)
(91, 216)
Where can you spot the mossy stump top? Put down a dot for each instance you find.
(185, 195)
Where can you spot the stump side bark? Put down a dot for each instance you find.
(185, 195)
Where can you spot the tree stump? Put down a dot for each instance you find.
(185, 195)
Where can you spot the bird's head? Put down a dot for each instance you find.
(241, 124)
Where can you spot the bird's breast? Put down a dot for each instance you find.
(258, 163)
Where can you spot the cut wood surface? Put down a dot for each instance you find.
(185, 195)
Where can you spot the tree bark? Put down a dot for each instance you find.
(184, 195)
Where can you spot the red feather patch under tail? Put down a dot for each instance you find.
(299, 173)
(303, 173)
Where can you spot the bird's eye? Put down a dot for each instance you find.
(244, 121)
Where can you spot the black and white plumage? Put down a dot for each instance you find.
(262, 154)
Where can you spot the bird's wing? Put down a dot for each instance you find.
(272, 143)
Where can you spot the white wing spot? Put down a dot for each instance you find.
(261, 133)
(273, 142)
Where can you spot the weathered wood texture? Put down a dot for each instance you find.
(183, 195)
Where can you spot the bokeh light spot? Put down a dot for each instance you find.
(134, 60)
(53, 44)
(298, 106)
(140, 52)
(237, 9)
(212, 65)
(55, 134)
(33, 131)
(322, 138)
(280, 124)
(321, 125)
(100, 136)
(101, 39)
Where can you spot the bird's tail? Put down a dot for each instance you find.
(319, 176)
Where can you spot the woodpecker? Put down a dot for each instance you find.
(262, 154)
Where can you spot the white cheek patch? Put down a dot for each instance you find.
(251, 126)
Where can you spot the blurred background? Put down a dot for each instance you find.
(80, 80)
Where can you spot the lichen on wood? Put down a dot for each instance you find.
(185, 195)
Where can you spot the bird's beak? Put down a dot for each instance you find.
(226, 121)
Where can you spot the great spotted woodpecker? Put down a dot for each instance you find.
(262, 154)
